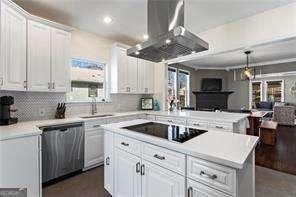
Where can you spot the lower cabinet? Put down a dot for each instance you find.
(127, 174)
(20, 164)
(94, 147)
(158, 181)
(196, 189)
(109, 162)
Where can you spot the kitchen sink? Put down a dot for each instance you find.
(97, 116)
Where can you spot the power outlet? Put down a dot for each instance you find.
(41, 112)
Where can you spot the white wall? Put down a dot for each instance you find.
(269, 25)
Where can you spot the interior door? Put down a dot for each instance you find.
(158, 181)
(127, 180)
(38, 56)
(13, 47)
(60, 57)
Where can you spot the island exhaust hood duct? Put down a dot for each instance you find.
(168, 38)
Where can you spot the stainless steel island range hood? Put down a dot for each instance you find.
(168, 38)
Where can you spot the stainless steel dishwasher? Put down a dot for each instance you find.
(62, 150)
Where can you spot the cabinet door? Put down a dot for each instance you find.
(132, 76)
(60, 45)
(122, 69)
(158, 181)
(94, 147)
(109, 162)
(13, 47)
(38, 56)
(196, 189)
(20, 164)
(127, 180)
(145, 76)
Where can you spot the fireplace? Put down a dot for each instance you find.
(212, 100)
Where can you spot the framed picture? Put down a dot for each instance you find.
(147, 103)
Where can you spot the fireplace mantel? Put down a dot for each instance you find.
(211, 99)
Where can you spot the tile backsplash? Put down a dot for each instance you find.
(30, 105)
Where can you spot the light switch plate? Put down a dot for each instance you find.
(41, 112)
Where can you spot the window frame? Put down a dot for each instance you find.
(177, 82)
(106, 82)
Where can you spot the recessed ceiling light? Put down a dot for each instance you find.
(107, 20)
(145, 36)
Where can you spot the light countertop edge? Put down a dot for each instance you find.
(218, 155)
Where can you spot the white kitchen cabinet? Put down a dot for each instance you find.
(158, 181)
(124, 77)
(127, 178)
(13, 49)
(60, 57)
(130, 75)
(39, 58)
(94, 147)
(196, 189)
(109, 162)
(146, 76)
(21, 164)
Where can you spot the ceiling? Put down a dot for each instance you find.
(263, 54)
(130, 15)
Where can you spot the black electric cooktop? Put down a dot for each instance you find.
(171, 132)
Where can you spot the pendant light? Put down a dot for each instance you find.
(247, 72)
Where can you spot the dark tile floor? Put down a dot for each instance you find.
(282, 156)
(269, 183)
(86, 184)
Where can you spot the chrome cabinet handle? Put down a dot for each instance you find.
(25, 84)
(96, 126)
(219, 127)
(124, 144)
(190, 191)
(159, 157)
(49, 85)
(206, 175)
(196, 124)
(143, 170)
(128, 89)
(107, 161)
(170, 121)
(138, 167)
(53, 85)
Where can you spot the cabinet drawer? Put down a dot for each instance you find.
(91, 125)
(220, 177)
(199, 124)
(197, 189)
(166, 158)
(171, 120)
(221, 126)
(128, 144)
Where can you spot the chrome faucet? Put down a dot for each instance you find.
(94, 109)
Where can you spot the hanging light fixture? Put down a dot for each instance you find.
(247, 73)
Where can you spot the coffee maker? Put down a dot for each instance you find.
(5, 111)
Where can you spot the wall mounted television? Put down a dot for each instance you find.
(211, 84)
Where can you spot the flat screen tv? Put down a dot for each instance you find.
(211, 84)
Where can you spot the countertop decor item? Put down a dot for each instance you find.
(60, 112)
(147, 103)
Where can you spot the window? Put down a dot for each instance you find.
(88, 80)
(266, 90)
(178, 86)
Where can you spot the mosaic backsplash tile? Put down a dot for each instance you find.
(29, 104)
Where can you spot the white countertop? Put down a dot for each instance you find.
(226, 148)
(23, 129)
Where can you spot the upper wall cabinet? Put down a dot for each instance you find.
(60, 57)
(48, 58)
(13, 49)
(130, 75)
(34, 52)
(38, 56)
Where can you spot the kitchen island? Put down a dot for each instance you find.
(215, 163)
